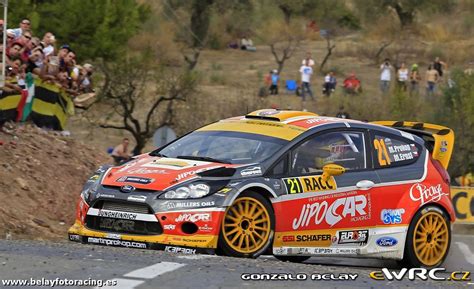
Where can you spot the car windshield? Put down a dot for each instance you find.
(223, 146)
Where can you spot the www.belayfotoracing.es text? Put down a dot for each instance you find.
(299, 276)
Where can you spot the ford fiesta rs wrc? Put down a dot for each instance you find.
(291, 183)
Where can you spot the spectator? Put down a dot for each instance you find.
(234, 44)
(25, 39)
(352, 84)
(414, 79)
(432, 77)
(120, 153)
(275, 78)
(329, 85)
(309, 59)
(306, 72)
(24, 26)
(14, 51)
(34, 62)
(402, 77)
(385, 76)
(48, 40)
(342, 113)
(10, 38)
(247, 44)
(85, 80)
(439, 65)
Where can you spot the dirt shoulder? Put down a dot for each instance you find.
(41, 176)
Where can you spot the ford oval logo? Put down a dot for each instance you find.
(386, 242)
(127, 189)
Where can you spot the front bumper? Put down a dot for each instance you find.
(196, 243)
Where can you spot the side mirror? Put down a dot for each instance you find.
(330, 170)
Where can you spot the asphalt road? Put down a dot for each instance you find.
(133, 268)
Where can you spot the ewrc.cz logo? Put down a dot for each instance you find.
(420, 273)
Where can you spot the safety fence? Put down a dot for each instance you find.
(47, 104)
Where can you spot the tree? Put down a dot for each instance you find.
(140, 96)
(457, 112)
(329, 47)
(283, 40)
(93, 28)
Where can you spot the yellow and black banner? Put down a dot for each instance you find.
(463, 202)
(50, 109)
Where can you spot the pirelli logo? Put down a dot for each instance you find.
(309, 184)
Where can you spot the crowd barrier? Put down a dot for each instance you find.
(463, 202)
(50, 106)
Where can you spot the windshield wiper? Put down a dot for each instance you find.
(201, 158)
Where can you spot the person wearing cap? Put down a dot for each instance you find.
(48, 40)
(415, 79)
(24, 26)
(275, 77)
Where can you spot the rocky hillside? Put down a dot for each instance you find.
(41, 175)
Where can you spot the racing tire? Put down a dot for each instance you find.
(293, 259)
(247, 228)
(428, 239)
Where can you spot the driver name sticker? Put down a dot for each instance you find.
(309, 184)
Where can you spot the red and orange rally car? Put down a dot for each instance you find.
(287, 182)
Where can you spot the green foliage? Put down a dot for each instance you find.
(458, 114)
(94, 28)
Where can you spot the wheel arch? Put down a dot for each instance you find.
(260, 188)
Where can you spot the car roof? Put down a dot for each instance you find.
(284, 124)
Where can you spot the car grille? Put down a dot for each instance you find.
(122, 226)
(125, 207)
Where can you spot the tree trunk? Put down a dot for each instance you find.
(140, 145)
(406, 17)
(328, 54)
(286, 13)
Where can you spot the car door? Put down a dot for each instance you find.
(318, 214)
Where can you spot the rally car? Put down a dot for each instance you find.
(287, 182)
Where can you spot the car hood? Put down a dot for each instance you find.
(155, 173)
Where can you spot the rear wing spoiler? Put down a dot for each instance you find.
(439, 139)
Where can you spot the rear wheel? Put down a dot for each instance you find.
(248, 226)
(428, 238)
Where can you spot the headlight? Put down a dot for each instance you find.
(192, 191)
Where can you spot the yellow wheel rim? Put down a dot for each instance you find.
(431, 238)
(246, 226)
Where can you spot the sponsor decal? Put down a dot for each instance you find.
(205, 217)
(252, 171)
(99, 195)
(144, 171)
(386, 242)
(280, 251)
(114, 236)
(182, 250)
(117, 215)
(174, 163)
(392, 216)
(268, 112)
(93, 178)
(127, 189)
(299, 276)
(194, 172)
(206, 228)
(187, 240)
(138, 180)
(309, 184)
(169, 227)
(323, 251)
(182, 205)
(312, 238)
(117, 224)
(288, 238)
(224, 190)
(139, 198)
(437, 274)
(351, 237)
(120, 243)
(74, 238)
(424, 194)
(353, 207)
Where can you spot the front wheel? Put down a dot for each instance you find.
(247, 227)
(428, 238)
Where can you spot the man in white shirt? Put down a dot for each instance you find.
(48, 40)
(385, 75)
(306, 72)
(24, 26)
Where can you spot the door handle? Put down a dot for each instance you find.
(365, 184)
